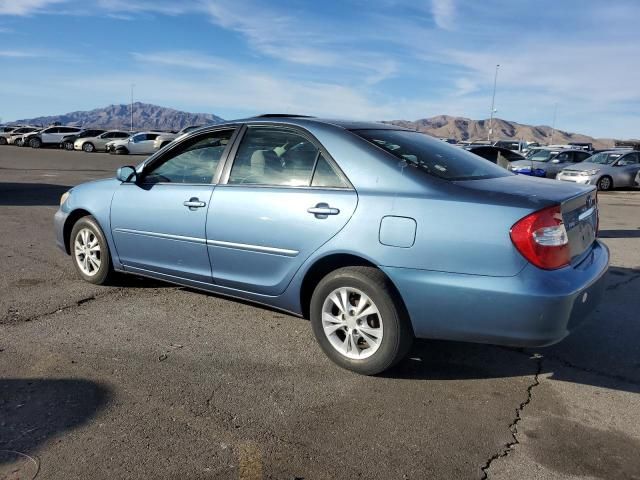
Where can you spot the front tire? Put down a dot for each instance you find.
(3, 141)
(90, 251)
(88, 147)
(122, 151)
(35, 143)
(605, 184)
(359, 320)
(18, 143)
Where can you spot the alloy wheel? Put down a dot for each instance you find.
(352, 323)
(87, 252)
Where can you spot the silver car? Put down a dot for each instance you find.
(548, 161)
(606, 170)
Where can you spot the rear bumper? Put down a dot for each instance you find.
(534, 308)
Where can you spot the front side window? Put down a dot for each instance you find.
(604, 158)
(194, 161)
(432, 156)
(274, 156)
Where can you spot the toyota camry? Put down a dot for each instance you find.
(377, 234)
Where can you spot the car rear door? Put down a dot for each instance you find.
(158, 223)
(280, 200)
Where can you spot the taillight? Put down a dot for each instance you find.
(542, 239)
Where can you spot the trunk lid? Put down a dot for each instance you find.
(577, 203)
(580, 216)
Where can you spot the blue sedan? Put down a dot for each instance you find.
(375, 233)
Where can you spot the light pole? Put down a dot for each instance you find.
(553, 125)
(493, 103)
(132, 85)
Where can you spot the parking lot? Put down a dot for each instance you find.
(149, 380)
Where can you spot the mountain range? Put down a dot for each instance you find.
(462, 129)
(145, 117)
(148, 116)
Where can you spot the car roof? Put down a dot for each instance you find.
(304, 121)
(620, 151)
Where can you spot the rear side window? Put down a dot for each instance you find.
(326, 176)
(432, 156)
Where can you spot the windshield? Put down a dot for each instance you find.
(604, 158)
(541, 155)
(431, 155)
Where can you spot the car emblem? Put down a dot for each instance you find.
(590, 202)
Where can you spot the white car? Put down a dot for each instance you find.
(167, 138)
(49, 136)
(137, 144)
(95, 144)
(10, 137)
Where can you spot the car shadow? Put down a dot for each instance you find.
(31, 194)
(619, 233)
(34, 410)
(601, 352)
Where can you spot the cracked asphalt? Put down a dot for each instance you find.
(149, 380)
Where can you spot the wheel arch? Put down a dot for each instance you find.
(71, 220)
(325, 265)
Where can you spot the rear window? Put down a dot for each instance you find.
(431, 155)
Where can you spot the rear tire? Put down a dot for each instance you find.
(18, 143)
(68, 145)
(35, 143)
(3, 141)
(90, 252)
(377, 340)
(88, 147)
(605, 183)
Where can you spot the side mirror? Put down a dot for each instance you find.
(126, 174)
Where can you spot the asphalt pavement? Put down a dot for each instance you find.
(149, 380)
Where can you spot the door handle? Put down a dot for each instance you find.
(193, 203)
(323, 210)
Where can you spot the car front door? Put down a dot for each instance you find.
(49, 135)
(560, 161)
(158, 223)
(625, 170)
(280, 200)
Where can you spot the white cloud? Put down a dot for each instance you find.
(25, 7)
(443, 13)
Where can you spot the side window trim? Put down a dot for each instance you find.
(155, 159)
(242, 131)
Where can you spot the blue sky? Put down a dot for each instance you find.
(385, 59)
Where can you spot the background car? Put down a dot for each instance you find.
(607, 170)
(99, 142)
(547, 162)
(68, 140)
(139, 144)
(305, 215)
(166, 138)
(6, 135)
(48, 136)
(16, 137)
(500, 156)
